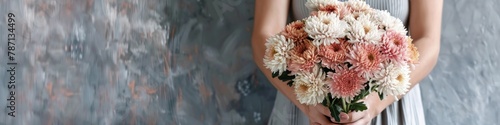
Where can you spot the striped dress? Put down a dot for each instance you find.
(406, 111)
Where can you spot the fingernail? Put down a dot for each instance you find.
(344, 116)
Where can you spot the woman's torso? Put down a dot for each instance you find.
(397, 8)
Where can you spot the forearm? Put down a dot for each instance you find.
(270, 18)
(429, 51)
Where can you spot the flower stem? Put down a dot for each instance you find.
(328, 102)
(344, 105)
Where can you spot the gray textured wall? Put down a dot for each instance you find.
(188, 62)
(461, 90)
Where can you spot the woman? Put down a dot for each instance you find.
(423, 19)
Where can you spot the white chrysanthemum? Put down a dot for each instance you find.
(313, 5)
(325, 28)
(364, 30)
(358, 5)
(276, 55)
(310, 87)
(388, 22)
(393, 80)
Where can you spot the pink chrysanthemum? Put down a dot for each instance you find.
(333, 54)
(394, 46)
(303, 56)
(295, 31)
(345, 83)
(366, 58)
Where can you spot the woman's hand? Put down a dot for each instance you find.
(375, 106)
(318, 115)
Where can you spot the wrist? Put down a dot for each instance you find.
(377, 104)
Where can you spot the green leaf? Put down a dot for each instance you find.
(326, 70)
(325, 102)
(290, 83)
(365, 92)
(334, 101)
(381, 96)
(358, 107)
(285, 76)
(275, 74)
(335, 112)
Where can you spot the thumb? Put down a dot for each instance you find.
(344, 117)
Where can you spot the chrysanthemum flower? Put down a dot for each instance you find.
(394, 46)
(325, 28)
(388, 22)
(393, 79)
(295, 31)
(345, 83)
(310, 88)
(413, 52)
(340, 9)
(302, 57)
(314, 5)
(333, 54)
(358, 6)
(366, 59)
(276, 54)
(364, 30)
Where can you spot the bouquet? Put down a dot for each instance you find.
(341, 53)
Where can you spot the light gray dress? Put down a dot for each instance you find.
(407, 111)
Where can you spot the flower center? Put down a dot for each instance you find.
(303, 88)
(371, 57)
(397, 42)
(273, 52)
(326, 22)
(400, 78)
(336, 48)
(366, 28)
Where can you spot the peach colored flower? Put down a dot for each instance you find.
(345, 83)
(413, 52)
(295, 31)
(333, 54)
(394, 46)
(366, 59)
(303, 56)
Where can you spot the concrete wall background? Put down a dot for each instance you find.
(462, 88)
(189, 62)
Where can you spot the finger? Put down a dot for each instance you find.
(344, 118)
(322, 120)
(355, 116)
(350, 118)
(360, 122)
